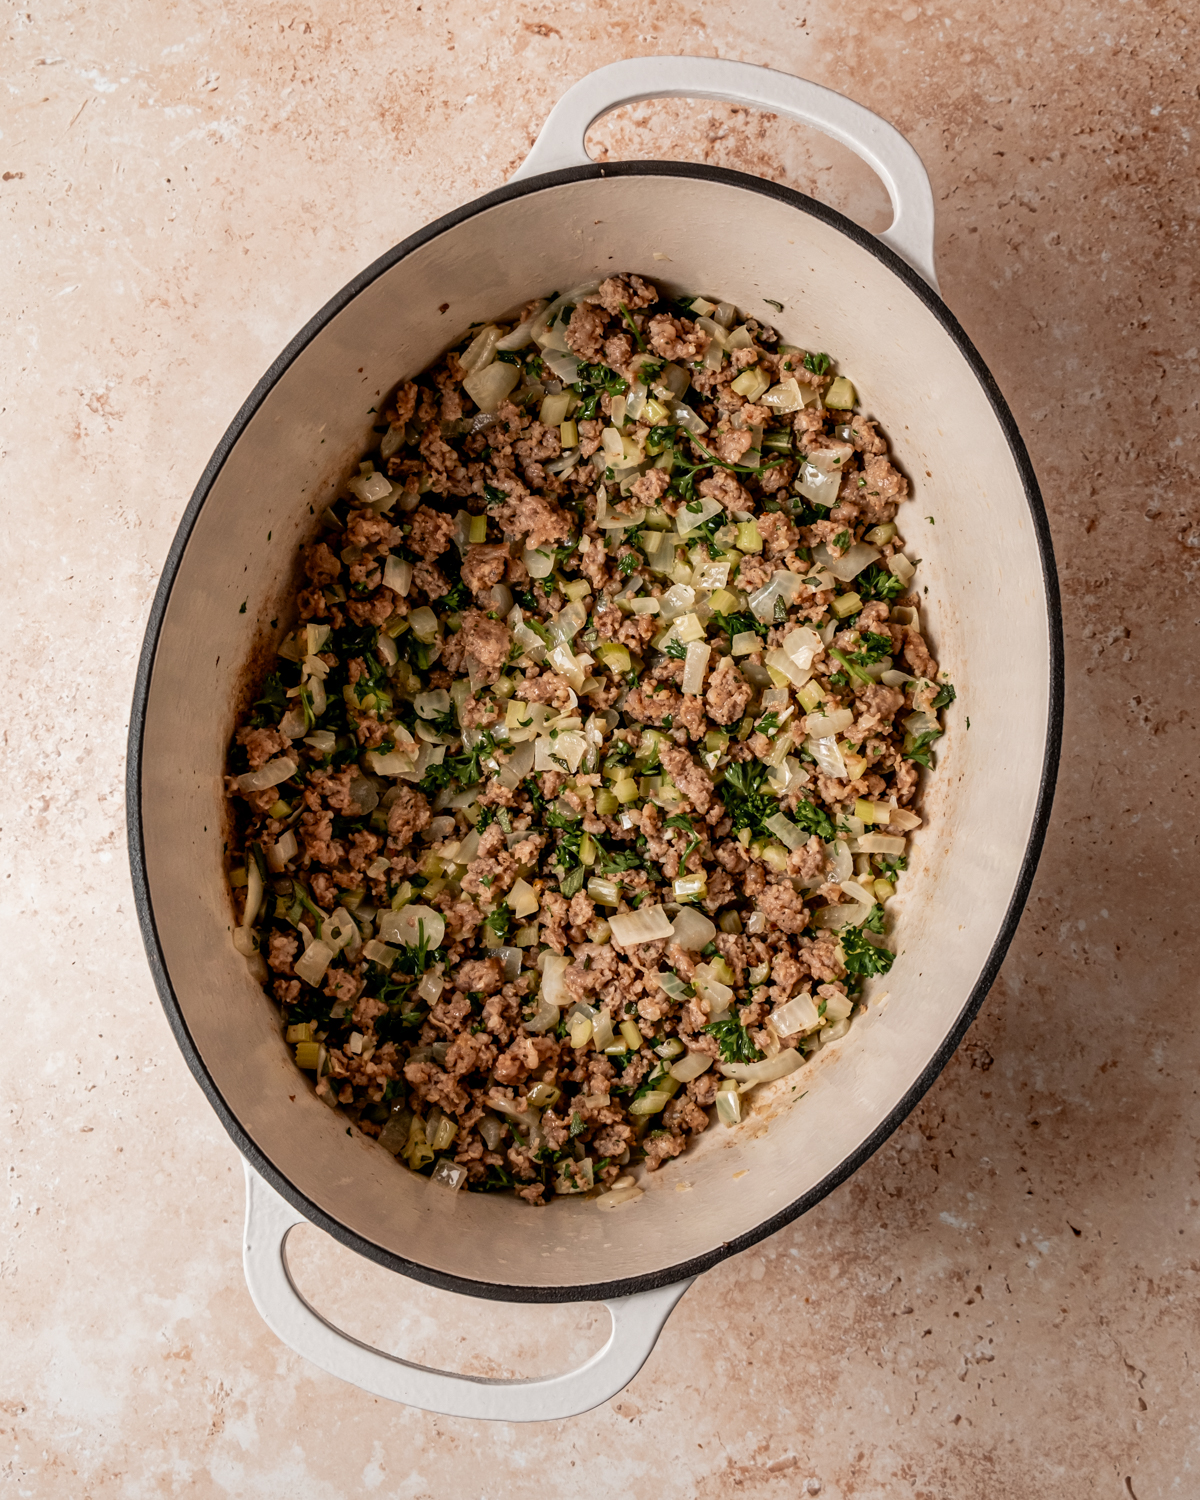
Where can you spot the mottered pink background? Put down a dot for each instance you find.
(1003, 1301)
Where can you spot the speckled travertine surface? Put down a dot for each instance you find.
(1003, 1302)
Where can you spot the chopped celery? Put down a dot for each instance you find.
(587, 850)
(846, 604)
(238, 877)
(568, 434)
(606, 804)
(302, 1032)
(749, 539)
(580, 589)
(631, 1033)
(308, 1055)
(478, 529)
(840, 394)
(626, 791)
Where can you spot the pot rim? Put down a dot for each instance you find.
(683, 1270)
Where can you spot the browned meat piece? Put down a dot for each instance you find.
(321, 565)
(482, 976)
(692, 780)
(725, 490)
(586, 331)
(262, 745)
(432, 532)
(677, 339)
(484, 566)
(728, 693)
(408, 815)
(807, 862)
(916, 654)
(487, 641)
(783, 907)
(282, 948)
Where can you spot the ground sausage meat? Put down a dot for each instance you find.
(513, 872)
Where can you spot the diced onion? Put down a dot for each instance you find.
(522, 899)
(539, 563)
(341, 931)
(892, 678)
(293, 724)
(784, 397)
(689, 419)
(694, 666)
(565, 366)
(397, 575)
(370, 488)
(786, 831)
(781, 585)
(814, 485)
(782, 662)
(855, 891)
(283, 849)
(692, 931)
(323, 741)
(481, 350)
(687, 518)
(766, 1071)
(313, 962)
(407, 925)
(433, 703)
(821, 726)
(645, 925)
(744, 643)
(671, 984)
(397, 762)
(904, 819)
(845, 914)
(691, 1066)
(569, 745)
(541, 321)
(510, 958)
(489, 386)
(850, 564)
(517, 767)
(802, 645)
(901, 568)
(269, 775)
(798, 1014)
(828, 757)
(554, 989)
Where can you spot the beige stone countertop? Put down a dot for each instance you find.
(1003, 1301)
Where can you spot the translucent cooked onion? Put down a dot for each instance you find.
(313, 962)
(323, 741)
(283, 849)
(841, 865)
(856, 892)
(802, 645)
(510, 958)
(821, 726)
(900, 567)
(687, 518)
(432, 704)
(893, 678)
(293, 724)
(814, 485)
(398, 762)
(782, 662)
(522, 899)
(407, 926)
(786, 831)
(569, 746)
(481, 350)
(903, 819)
(269, 775)
(341, 931)
(676, 601)
(397, 575)
(517, 766)
(431, 986)
(781, 585)
(565, 366)
(539, 563)
(784, 397)
(766, 1071)
(850, 564)
(522, 335)
(490, 385)
(691, 1066)
(845, 914)
(568, 622)
(692, 931)
(645, 925)
(798, 1014)
(671, 984)
(828, 757)
(554, 990)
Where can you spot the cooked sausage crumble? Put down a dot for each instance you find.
(573, 808)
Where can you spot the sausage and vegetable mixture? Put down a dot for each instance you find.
(572, 810)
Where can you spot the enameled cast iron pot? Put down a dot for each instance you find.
(992, 611)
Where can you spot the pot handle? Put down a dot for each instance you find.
(561, 142)
(636, 1324)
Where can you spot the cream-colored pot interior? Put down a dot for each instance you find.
(986, 612)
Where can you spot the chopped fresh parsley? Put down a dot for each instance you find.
(877, 583)
(734, 1040)
(681, 820)
(860, 956)
(842, 540)
(739, 624)
(633, 328)
(814, 819)
(918, 748)
(817, 364)
(676, 648)
(746, 803)
(946, 695)
(628, 563)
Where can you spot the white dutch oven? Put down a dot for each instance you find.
(992, 608)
